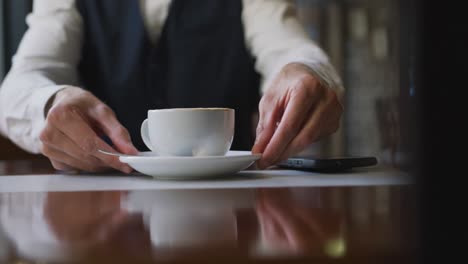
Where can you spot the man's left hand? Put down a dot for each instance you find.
(296, 111)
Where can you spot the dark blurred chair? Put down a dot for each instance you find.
(13, 26)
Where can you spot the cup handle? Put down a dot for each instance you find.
(144, 134)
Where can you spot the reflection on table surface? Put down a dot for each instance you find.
(336, 223)
(20, 167)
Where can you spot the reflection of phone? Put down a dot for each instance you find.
(328, 164)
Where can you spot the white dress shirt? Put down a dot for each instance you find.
(48, 55)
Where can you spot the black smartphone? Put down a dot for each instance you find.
(328, 164)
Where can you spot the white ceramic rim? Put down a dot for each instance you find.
(238, 155)
(189, 109)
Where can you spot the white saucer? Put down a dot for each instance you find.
(186, 168)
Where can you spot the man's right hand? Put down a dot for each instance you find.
(72, 135)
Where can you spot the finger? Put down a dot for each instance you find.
(67, 162)
(53, 137)
(308, 134)
(114, 162)
(60, 166)
(107, 121)
(290, 124)
(70, 121)
(270, 114)
(322, 122)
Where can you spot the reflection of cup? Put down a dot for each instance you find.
(191, 218)
(189, 131)
(193, 228)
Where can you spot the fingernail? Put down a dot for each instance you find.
(133, 148)
(127, 169)
(261, 165)
(255, 150)
(130, 149)
(267, 163)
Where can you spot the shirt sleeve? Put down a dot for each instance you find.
(275, 37)
(45, 62)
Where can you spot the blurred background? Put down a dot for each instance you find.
(364, 41)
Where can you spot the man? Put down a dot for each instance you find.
(87, 70)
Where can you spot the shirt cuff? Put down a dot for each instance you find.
(39, 101)
(315, 60)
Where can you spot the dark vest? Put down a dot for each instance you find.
(200, 60)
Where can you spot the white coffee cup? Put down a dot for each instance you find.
(189, 131)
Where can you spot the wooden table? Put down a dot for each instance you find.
(97, 219)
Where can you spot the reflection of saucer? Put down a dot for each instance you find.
(184, 168)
